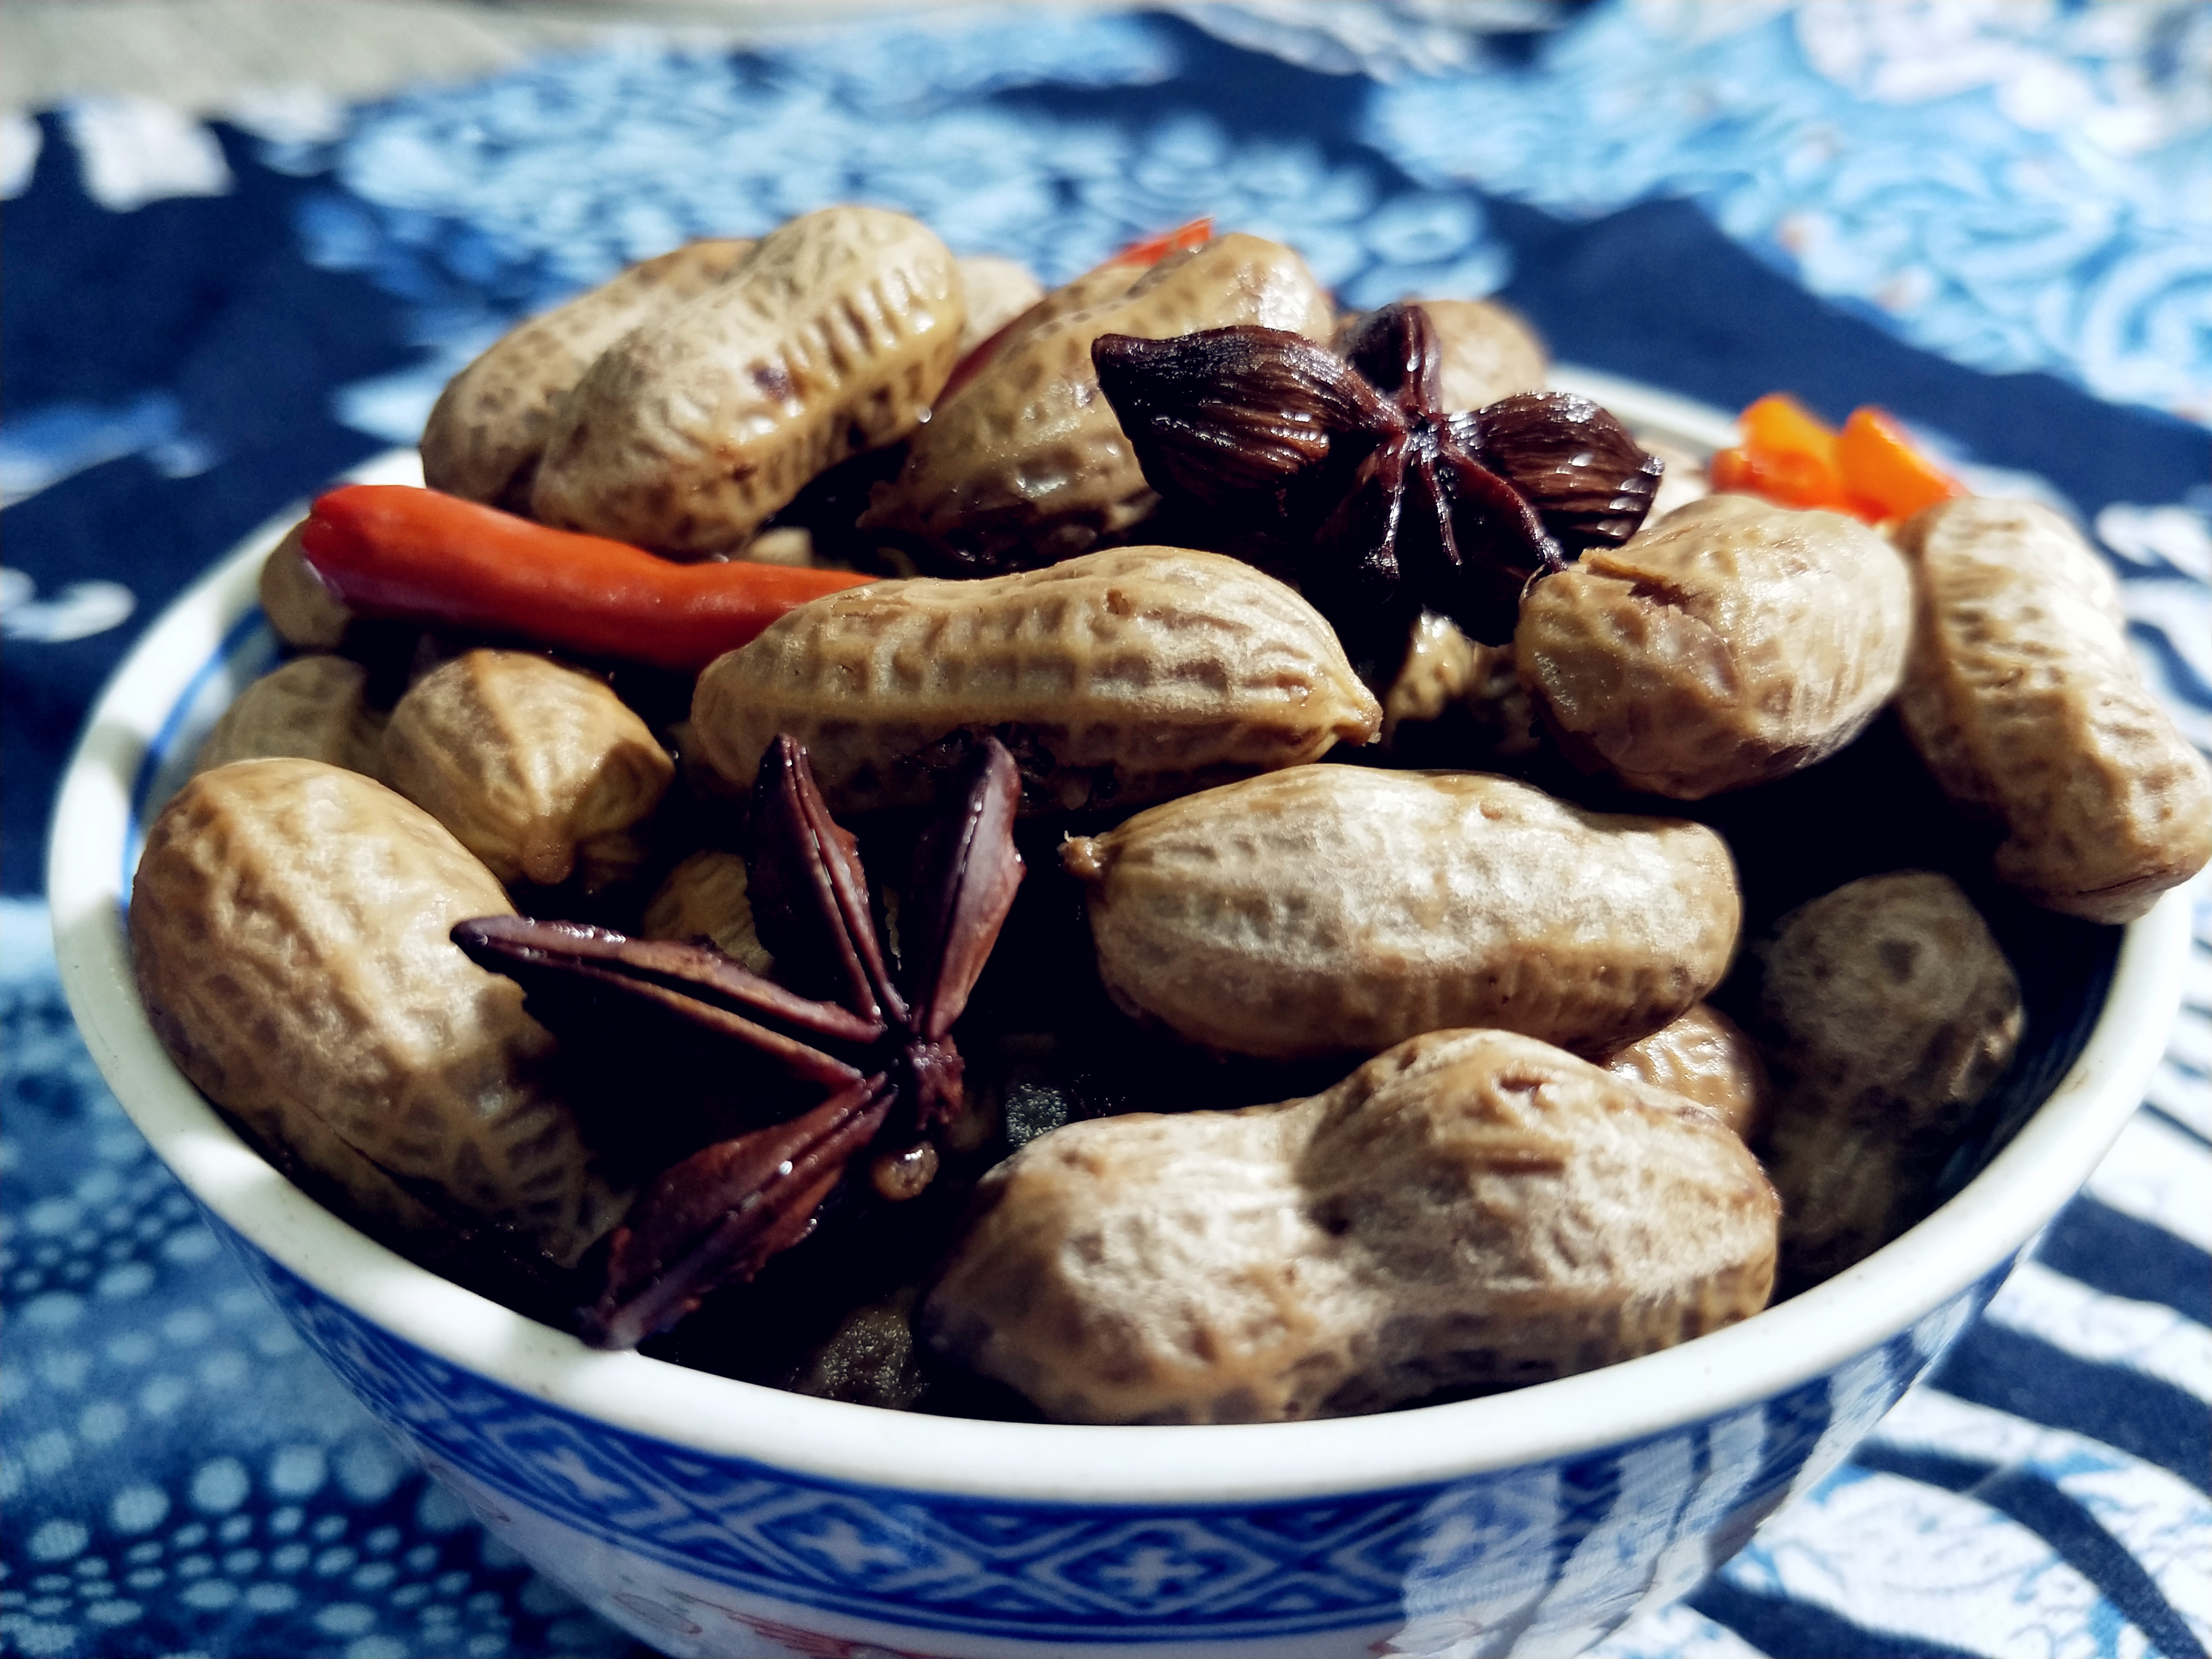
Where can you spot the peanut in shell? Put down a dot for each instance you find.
(1334, 910)
(707, 895)
(1121, 677)
(1473, 1210)
(2021, 696)
(1027, 463)
(313, 707)
(1727, 644)
(304, 613)
(289, 928)
(1886, 1013)
(1705, 1057)
(832, 336)
(489, 425)
(539, 769)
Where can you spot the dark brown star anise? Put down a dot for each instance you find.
(1388, 502)
(878, 1044)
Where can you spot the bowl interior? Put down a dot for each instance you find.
(2100, 1002)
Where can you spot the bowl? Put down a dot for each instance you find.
(709, 1517)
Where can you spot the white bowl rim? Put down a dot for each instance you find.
(1211, 1466)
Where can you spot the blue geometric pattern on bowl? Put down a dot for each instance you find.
(1672, 1505)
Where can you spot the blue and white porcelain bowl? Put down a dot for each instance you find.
(714, 1517)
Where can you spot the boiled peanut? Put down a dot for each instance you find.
(1886, 1013)
(705, 896)
(305, 614)
(1473, 1210)
(1489, 351)
(995, 291)
(2022, 697)
(1703, 1057)
(1475, 688)
(540, 770)
(1729, 643)
(1120, 677)
(312, 708)
(289, 928)
(489, 425)
(832, 336)
(1327, 909)
(1027, 463)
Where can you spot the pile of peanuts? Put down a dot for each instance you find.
(1536, 1147)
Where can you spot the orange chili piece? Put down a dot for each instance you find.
(1884, 474)
(1792, 458)
(392, 551)
(1787, 455)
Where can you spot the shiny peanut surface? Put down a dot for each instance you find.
(1729, 643)
(1471, 1210)
(1027, 463)
(2023, 700)
(489, 425)
(1329, 909)
(289, 928)
(832, 336)
(1118, 678)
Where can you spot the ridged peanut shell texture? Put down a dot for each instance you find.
(540, 770)
(832, 336)
(1886, 1013)
(489, 425)
(1122, 676)
(1027, 462)
(313, 707)
(288, 928)
(1333, 909)
(1472, 1211)
(2024, 701)
(1729, 643)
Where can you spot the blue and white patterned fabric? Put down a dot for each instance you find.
(1994, 219)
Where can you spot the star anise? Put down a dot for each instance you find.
(877, 1044)
(1388, 501)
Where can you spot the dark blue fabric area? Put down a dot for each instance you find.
(2137, 1414)
(208, 299)
(2060, 1521)
(1797, 1630)
(1658, 292)
(2112, 1251)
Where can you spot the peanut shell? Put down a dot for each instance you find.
(1027, 463)
(1886, 1014)
(305, 614)
(995, 291)
(1704, 1057)
(312, 709)
(540, 770)
(1333, 909)
(705, 896)
(1729, 643)
(1473, 1210)
(1120, 677)
(2023, 697)
(289, 929)
(489, 425)
(832, 336)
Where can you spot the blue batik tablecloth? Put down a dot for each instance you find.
(1995, 219)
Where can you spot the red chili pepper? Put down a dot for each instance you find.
(1153, 249)
(391, 550)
